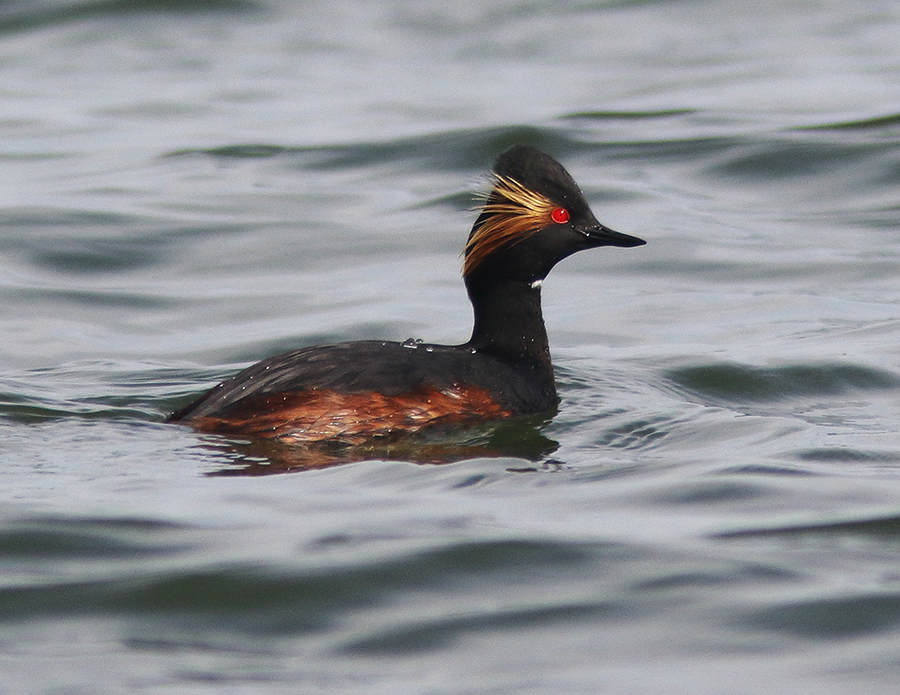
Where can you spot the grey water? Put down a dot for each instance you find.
(188, 187)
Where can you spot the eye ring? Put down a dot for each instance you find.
(560, 215)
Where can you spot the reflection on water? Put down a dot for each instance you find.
(518, 438)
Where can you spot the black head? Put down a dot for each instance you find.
(534, 216)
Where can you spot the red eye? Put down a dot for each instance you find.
(559, 215)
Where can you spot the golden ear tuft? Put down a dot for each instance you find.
(512, 213)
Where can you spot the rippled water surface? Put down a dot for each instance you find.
(191, 186)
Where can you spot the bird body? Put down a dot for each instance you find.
(534, 216)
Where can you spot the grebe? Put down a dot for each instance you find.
(349, 393)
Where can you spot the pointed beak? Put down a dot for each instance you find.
(604, 236)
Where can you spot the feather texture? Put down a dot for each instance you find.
(511, 214)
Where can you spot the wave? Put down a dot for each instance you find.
(735, 383)
(24, 16)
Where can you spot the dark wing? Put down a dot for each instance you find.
(388, 368)
(347, 367)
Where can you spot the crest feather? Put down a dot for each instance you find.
(511, 214)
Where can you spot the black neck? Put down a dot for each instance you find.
(508, 321)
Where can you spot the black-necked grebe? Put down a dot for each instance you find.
(534, 216)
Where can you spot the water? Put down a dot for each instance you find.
(190, 187)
